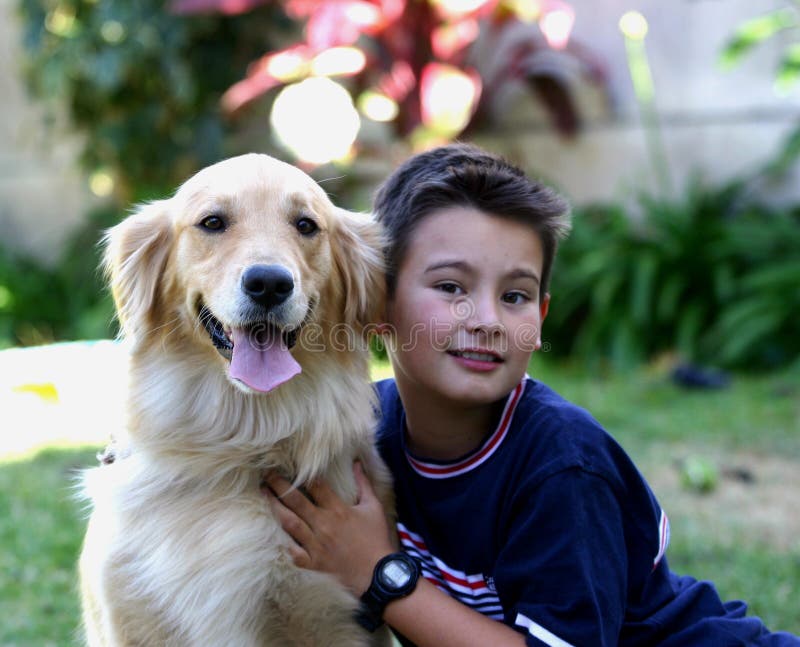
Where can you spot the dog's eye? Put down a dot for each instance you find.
(306, 226)
(213, 223)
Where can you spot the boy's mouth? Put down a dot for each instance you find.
(476, 355)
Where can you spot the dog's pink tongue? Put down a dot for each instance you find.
(261, 360)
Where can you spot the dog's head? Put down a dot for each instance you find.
(248, 254)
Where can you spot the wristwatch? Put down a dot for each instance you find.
(394, 577)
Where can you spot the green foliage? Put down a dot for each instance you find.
(142, 84)
(711, 277)
(754, 32)
(40, 304)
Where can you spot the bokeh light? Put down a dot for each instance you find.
(455, 8)
(633, 25)
(556, 25)
(286, 66)
(113, 32)
(338, 61)
(525, 10)
(61, 21)
(448, 96)
(377, 106)
(6, 298)
(101, 183)
(316, 120)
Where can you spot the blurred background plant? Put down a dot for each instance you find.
(41, 303)
(430, 70)
(713, 276)
(709, 274)
(782, 22)
(140, 83)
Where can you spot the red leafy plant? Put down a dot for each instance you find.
(431, 68)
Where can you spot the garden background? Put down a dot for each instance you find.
(673, 128)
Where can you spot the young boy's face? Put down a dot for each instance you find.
(466, 312)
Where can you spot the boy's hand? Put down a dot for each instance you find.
(331, 536)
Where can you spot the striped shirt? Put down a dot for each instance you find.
(548, 527)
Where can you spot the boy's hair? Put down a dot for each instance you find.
(464, 175)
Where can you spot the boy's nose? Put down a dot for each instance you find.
(480, 313)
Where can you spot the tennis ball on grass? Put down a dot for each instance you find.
(699, 474)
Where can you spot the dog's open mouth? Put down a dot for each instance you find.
(259, 353)
(219, 336)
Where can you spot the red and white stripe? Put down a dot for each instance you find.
(479, 456)
(663, 538)
(471, 590)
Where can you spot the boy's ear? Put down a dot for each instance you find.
(357, 246)
(544, 308)
(135, 256)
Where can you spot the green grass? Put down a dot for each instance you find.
(41, 523)
(40, 536)
(643, 406)
(755, 420)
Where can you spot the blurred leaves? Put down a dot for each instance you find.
(143, 85)
(41, 304)
(713, 277)
(402, 41)
(755, 31)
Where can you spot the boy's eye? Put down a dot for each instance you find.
(515, 298)
(449, 287)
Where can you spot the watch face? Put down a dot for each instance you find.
(396, 574)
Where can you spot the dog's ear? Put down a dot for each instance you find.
(357, 243)
(136, 253)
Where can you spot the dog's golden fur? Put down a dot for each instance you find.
(181, 547)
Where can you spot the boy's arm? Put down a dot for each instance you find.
(430, 617)
(347, 542)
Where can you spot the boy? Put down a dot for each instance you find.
(529, 524)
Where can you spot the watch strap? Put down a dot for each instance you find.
(370, 612)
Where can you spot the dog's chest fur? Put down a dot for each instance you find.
(190, 550)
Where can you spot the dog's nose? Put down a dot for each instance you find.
(267, 285)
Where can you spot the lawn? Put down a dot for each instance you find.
(744, 534)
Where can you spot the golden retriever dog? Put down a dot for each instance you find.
(244, 299)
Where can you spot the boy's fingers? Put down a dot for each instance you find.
(300, 557)
(291, 497)
(277, 483)
(323, 495)
(294, 526)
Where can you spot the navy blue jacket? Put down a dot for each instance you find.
(549, 527)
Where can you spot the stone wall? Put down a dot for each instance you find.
(713, 122)
(43, 195)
